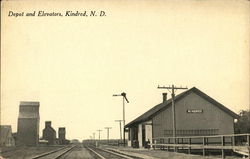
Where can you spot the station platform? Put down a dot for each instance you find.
(158, 154)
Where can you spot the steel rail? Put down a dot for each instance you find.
(55, 151)
(108, 151)
(96, 153)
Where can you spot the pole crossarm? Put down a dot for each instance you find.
(118, 120)
(108, 132)
(108, 127)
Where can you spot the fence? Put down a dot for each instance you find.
(238, 143)
(111, 142)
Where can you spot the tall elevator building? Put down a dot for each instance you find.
(28, 124)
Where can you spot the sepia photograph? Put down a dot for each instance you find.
(142, 79)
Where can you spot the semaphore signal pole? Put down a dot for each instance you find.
(124, 97)
(173, 88)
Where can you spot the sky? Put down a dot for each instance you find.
(73, 65)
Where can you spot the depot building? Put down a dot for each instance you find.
(197, 114)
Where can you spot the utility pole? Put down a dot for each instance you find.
(98, 143)
(173, 88)
(123, 94)
(99, 134)
(94, 136)
(108, 132)
(120, 123)
(91, 139)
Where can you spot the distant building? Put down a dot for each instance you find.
(43, 142)
(49, 133)
(62, 136)
(197, 114)
(28, 124)
(74, 141)
(6, 138)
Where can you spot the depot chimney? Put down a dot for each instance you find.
(164, 97)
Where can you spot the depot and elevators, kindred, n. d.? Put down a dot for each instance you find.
(40, 13)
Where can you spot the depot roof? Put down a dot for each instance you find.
(153, 111)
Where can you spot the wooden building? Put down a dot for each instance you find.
(197, 114)
(6, 137)
(28, 124)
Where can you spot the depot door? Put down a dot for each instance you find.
(143, 135)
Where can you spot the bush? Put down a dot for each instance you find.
(243, 123)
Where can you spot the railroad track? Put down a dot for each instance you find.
(9, 151)
(107, 154)
(55, 154)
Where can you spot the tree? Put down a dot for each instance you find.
(243, 123)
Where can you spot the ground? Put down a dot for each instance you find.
(24, 152)
(82, 153)
(79, 153)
